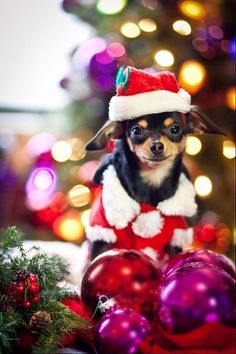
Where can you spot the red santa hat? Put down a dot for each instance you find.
(139, 93)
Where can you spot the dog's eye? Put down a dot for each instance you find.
(137, 130)
(174, 129)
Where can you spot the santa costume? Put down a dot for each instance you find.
(118, 219)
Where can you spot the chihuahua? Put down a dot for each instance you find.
(146, 193)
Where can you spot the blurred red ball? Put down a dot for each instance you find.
(208, 233)
(129, 277)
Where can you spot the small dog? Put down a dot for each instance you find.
(146, 192)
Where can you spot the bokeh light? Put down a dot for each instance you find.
(192, 9)
(130, 30)
(216, 32)
(231, 97)
(78, 150)
(229, 149)
(39, 144)
(85, 217)
(193, 145)
(164, 58)
(109, 7)
(61, 151)
(43, 178)
(203, 186)
(182, 27)
(86, 51)
(79, 195)
(69, 227)
(59, 202)
(40, 187)
(116, 50)
(147, 25)
(192, 75)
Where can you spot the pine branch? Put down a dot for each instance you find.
(9, 322)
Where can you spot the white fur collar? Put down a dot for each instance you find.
(120, 208)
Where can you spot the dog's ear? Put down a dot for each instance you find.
(110, 130)
(199, 123)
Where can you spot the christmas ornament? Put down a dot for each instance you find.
(201, 255)
(129, 277)
(121, 331)
(39, 321)
(198, 297)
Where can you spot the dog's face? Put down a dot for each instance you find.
(157, 138)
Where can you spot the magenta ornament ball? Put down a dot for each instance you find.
(194, 295)
(201, 255)
(121, 331)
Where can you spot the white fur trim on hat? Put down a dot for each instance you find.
(182, 238)
(99, 233)
(182, 202)
(148, 224)
(133, 106)
(119, 207)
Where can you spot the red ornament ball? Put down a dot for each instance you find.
(129, 277)
(208, 233)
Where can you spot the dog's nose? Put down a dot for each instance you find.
(156, 148)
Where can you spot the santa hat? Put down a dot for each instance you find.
(139, 93)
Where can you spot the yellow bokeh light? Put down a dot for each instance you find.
(85, 217)
(78, 150)
(109, 7)
(192, 75)
(70, 229)
(182, 27)
(192, 9)
(147, 25)
(61, 151)
(164, 58)
(229, 149)
(130, 30)
(79, 195)
(193, 145)
(231, 97)
(203, 186)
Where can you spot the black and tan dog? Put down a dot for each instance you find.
(146, 192)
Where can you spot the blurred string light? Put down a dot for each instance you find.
(193, 145)
(86, 51)
(192, 9)
(203, 186)
(164, 58)
(86, 171)
(69, 227)
(85, 217)
(40, 187)
(59, 202)
(231, 97)
(78, 150)
(147, 25)
(233, 48)
(39, 144)
(130, 30)
(79, 195)
(111, 7)
(61, 151)
(116, 50)
(182, 27)
(216, 32)
(192, 75)
(229, 149)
